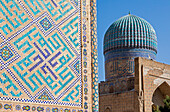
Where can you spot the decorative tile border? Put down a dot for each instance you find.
(13, 107)
(84, 52)
(93, 12)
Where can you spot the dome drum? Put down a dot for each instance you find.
(127, 38)
(130, 53)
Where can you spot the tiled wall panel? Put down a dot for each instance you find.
(45, 55)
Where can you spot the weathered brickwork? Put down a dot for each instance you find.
(118, 85)
(120, 102)
(151, 85)
(150, 76)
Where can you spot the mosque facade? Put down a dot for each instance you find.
(134, 81)
(48, 56)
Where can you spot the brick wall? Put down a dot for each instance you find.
(121, 102)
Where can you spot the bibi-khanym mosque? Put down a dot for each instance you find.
(135, 82)
(48, 60)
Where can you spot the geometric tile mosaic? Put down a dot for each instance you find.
(44, 96)
(5, 53)
(95, 96)
(41, 56)
(43, 60)
(45, 23)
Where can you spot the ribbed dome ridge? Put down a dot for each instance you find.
(130, 32)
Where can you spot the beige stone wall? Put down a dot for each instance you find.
(121, 102)
(149, 75)
(152, 83)
(117, 85)
(158, 98)
(119, 67)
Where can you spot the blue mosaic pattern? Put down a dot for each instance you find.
(130, 32)
(46, 24)
(43, 65)
(22, 107)
(10, 21)
(130, 53)
(85, 46)
(76, 66)
(76, 2)
(5, 53)
(127, 38)
(41, 39)
(95, 106)
(18, 107)
(73, 95)
(44, 96)
(5, 59)
(7, 107)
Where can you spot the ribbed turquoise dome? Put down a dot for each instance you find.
(130, 32)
